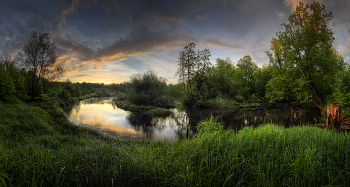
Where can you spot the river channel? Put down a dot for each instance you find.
(102, 115)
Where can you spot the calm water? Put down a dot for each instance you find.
(100, 114)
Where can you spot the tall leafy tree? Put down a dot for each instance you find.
(181, 72)
(302, 54)
(190, 56)
(191, 62)
(40, 60)
(247, 65)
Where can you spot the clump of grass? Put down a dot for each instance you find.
(250, 105)
(159, 112)
(149, 110)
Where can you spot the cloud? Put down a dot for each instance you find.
(111, 27)
(134, 18)
(219, 42)
(242, 5)
(82, 75)
(280, 15)
(202, 17)
(166, 17)
(144, 40)
(328, 3)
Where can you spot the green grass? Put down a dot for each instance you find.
(50, 151)
(223, 103)
(149, 110)
(250, 105)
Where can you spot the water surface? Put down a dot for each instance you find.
(102, 115)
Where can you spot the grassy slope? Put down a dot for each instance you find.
(41, 148)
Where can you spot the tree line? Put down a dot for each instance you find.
(304, 67)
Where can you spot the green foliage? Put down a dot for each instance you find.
(148, 89)
(249, 67)
(40, 60)
(121, 96)
(191, 62)
(177, 90)
(7, 87)
(341, 89)
(64, 94)
(149, 110)
(227, 81)
(18, 78)
(68, 85)
(301, 54)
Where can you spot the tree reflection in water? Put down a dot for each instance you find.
(182, 122)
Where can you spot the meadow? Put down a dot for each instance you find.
(40, 147)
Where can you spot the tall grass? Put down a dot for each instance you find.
(269, 155)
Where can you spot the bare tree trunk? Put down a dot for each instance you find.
(314, 90)
(318, 97)
(333, 116)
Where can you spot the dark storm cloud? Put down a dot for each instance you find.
(111, 27)
(166, 17)
(143, 39)
(134, 18)
(89, 33)
(23, 17)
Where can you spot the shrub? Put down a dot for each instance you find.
(64, 94)
(7, 87)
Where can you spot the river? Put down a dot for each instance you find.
(102, 115)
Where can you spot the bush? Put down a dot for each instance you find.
(239, 98)
(18, 79)
(64, 94)
(7, 87)
(121, 96)
(189, 100)
(147, 89)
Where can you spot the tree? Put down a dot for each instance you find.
(5, 59)
(40, 60)
(7, 87)
(147, 89)
(181, 72)
(190, 57)
(302, 55)
(247, 65)
(191, 62)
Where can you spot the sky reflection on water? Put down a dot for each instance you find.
(100, 114)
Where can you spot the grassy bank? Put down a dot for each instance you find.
(149, 110)
(224, 103)
(40, 147)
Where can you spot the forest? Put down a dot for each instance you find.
(39, 146)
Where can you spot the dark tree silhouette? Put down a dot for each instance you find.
(40, 60)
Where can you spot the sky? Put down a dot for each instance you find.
(110, 40)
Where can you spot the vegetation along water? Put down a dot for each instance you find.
(40, 146)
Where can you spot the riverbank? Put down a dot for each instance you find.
(224, 103)
(40, 147)
(149, 110)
